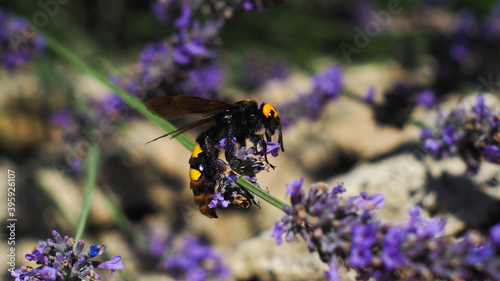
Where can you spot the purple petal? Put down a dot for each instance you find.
(114, 264)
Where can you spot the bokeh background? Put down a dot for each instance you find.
(268, 55)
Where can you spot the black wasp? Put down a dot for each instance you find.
(242, 120)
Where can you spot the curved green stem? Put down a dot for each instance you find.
(91, 166)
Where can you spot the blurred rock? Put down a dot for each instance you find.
(154, 277)
(262, 259)
(439, 186)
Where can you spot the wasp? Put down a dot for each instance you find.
(243, 121)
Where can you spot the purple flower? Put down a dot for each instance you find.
(48, 273)
(398, 103)
(273, 148)
(391, 255)
(37, 254)
(329, 82)
(495, 234)
(492, 153)
(96, 250)
(57, 260)
(278, 232)
(195, 261)
(470, 133)
(426, 98)
(480, 108)
(244, 162)
(376, 201)
(19, 43)
(204, 82)
(176, 12)
(333, 274)
(114, 264)
(448, 135)
(257, 69)
(112, 104)
(294, 189)
(459, 49)
(369, 96)
(249, 5)
(477, 255)
(360, 256)
(341, 229)
(433, 145)
(338, 189)
(363, 235)
(327, 86)
(218, 201)
(184, 54)
(494, 121)
(61, 118)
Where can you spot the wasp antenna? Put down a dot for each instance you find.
(157, 138)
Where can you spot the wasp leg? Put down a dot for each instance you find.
(259, 139)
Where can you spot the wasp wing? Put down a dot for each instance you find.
(179, 106)
(188, 127)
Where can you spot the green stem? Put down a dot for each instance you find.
(352, 96)
(118, 216)
(91, 166)
(138, 105)
(261, 193)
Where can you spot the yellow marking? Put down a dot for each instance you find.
(196, 151)
(267, 108)
(194, 174)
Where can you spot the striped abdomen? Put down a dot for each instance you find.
(202, 183)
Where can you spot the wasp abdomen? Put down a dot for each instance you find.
(201, 183)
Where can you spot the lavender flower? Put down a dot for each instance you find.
(426, 99)
(327, 86)
(181, 257)
(346, 232)
(244, 162)
(19, 42)
(205, 81)
(472, 134)
(369, 96)
(173, 12)
(399, 102)
(181, 65)
(194, 261)
(329, 82)
(257, 69)
(250, 5)
(58, 260)
(466, 52)
(218, 201)
(78, 129)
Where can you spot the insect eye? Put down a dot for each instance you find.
(269, 111)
